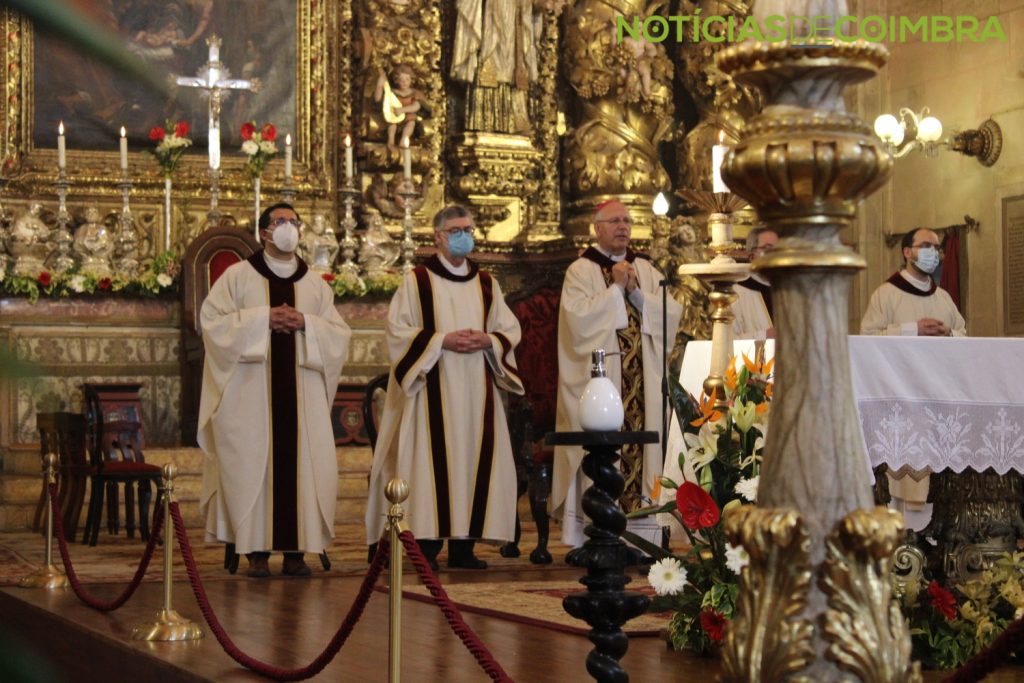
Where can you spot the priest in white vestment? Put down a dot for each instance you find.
(275, 346)
(611, 300)
(753, 307)
(451, 339)
(909, 303)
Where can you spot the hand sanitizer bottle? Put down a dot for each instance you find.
(600, 404)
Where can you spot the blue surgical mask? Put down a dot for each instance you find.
(460, 244)
(927, 259)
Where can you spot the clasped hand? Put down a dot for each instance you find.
(624, 275)
(930, 327)
(466, 341)
(286, 319)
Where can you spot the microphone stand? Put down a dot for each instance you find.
(664, 371)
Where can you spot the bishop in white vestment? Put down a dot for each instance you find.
(611, 300)
(451, 339)
(275, 345)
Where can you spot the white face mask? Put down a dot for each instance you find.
(285, 237)
(927, 259)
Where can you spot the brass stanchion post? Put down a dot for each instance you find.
(169, 625)
(396, 491)
(48, 576)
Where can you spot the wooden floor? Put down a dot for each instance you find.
(287, 622)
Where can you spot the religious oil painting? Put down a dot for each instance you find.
(259, 41)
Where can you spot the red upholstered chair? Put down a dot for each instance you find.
(206, 258)
(532, 415)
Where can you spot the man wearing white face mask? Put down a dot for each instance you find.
(910, 303)
(274, 347)
(451, 339)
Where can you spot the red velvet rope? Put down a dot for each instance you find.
(451, 612)
(103, 606)
(277, 673)
(992, 657)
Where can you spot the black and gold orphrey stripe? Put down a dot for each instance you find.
(632, 388)
(435, 403)
(284, 416)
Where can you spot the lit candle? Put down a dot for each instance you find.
(288, 156)
(349, 170)
(61, 149)
(124, 150)
(407, 158)
(717, 157)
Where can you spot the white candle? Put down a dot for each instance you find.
(717, 157)
(61, 149)
(214, 147)
(288, 156)
(349, 170)
(721, 228)
(406, 159)
(124, 150)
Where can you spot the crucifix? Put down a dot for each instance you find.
(215, 80)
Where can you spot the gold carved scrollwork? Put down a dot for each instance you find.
(623, 112)
(871, 643)
(767, 640)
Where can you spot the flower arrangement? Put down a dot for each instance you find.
(160, 276)
(259, 146)
(724, 449)
(171, 141)
(346, 285)
(948, 626)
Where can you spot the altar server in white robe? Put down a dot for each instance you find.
(909, 303)
(611, 300)
(451, 339)
(753, 307)
(275, 345)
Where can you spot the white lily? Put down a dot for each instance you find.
(743, 415)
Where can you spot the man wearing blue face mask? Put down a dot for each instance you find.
(910, 303)
(451, 339)
(274, 347)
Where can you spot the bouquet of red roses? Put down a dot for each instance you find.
(259, 145)
(171, 140)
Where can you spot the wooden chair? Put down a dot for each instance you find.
(119, 460)
(65, 434)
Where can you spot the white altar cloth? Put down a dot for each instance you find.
(925, 403)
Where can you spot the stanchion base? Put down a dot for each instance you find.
(50, 577)
(169, 625)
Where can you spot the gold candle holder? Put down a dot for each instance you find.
(396, 491)
(49, 576)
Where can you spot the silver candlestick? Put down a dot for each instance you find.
(63, 262)
(213, 216)
(288, 192)
(408, 193)
(127, 239)
(348, 226)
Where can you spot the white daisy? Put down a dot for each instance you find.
(250, 147)
(164, 280)
(736, 558)
(667, 576)
(77, 284)
(748, 488)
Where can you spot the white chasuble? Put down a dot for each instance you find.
(443, 429)
(591, 315)
(897, 305)
(270, 476)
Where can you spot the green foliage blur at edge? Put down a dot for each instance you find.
(61, 19)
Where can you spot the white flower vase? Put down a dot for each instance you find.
(600, 404)
(167, 213)
(256, 217)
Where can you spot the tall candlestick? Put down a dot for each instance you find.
(349, 170)
(124, 150)
(717, 157)
(288, 156)
(406, 159)
(214, 147)
(61, 149)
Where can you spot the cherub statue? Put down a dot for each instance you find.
(318, 246)
(28, 242)
(94, 245)
(637, 73)
(400, 102)
(378, 251)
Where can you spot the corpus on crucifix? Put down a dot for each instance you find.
(215, 79)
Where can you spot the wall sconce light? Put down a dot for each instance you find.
(921, 131)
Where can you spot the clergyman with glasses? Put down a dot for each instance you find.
(910, 303)
(275, 346)
(611, 300)
(451, 340)
(753, 307)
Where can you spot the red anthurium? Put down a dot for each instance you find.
(697, 507)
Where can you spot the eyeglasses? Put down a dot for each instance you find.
(926, 245)
(621, 220)
(281, 220)
(455, 231)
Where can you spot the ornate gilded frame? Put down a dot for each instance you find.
(32, 172)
